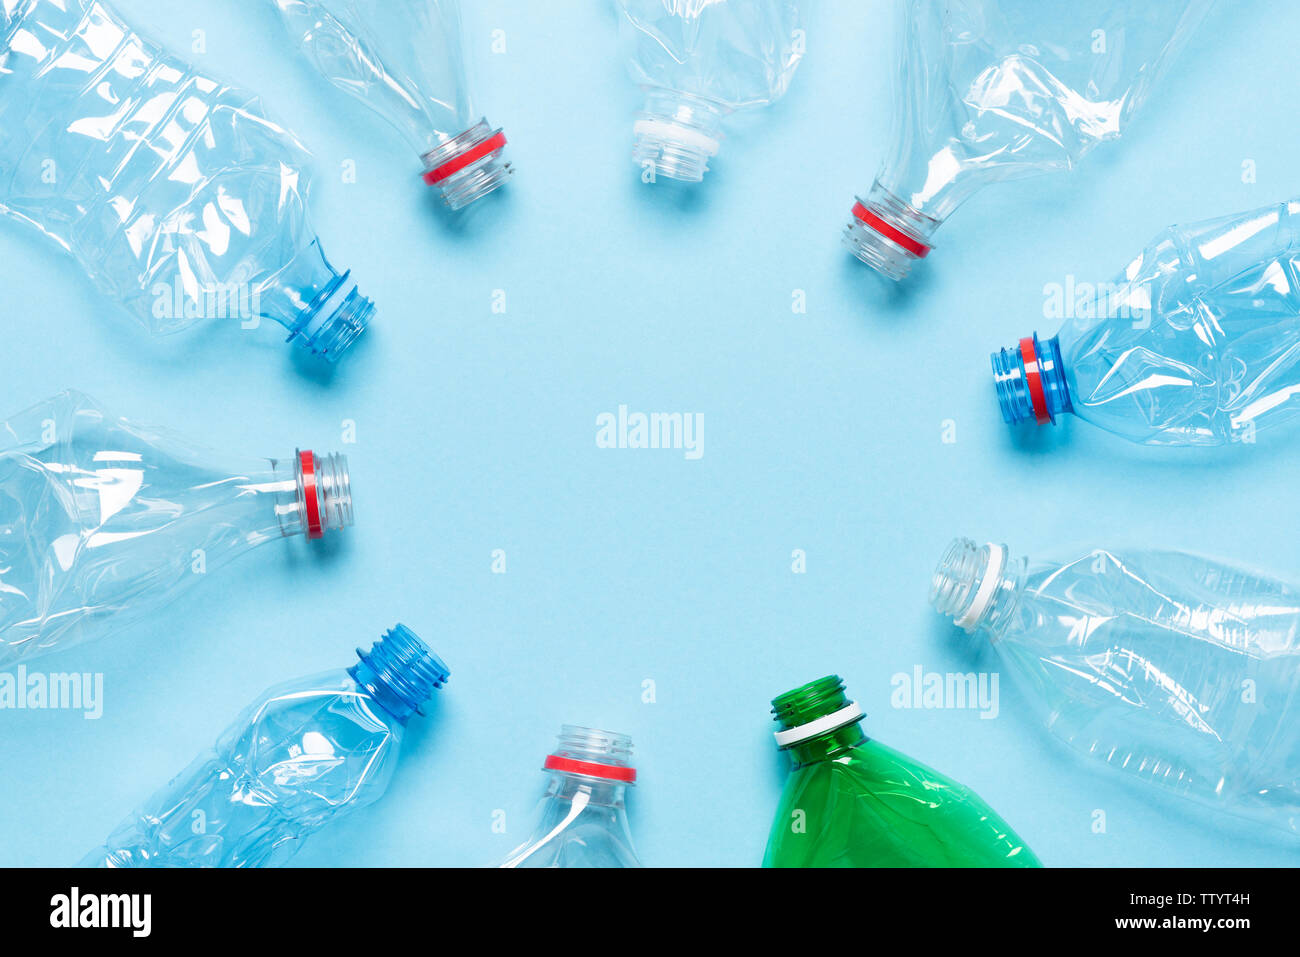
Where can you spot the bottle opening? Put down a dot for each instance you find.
(1030, 381)
(592, 753)
(400, 672)
(888, 234)
(816, 708)
(324, 493)
(334, 320)
(966, 581)
(468, 166)
(677, 135)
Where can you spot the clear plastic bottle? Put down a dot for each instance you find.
(697, 61)
(102, 519)
(1197, 342)
(173, 191)
(301, 756)
(583, 818)
(995, 90)
(1169, 668)
(405, 59)
(850, 801)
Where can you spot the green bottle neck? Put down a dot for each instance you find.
(827, 747)
(817, 701)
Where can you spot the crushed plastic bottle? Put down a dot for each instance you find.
(301, 756)
(405, 59)
(174, 193)
(995, 90)
(101, 519)
(1196, 343)
(698, 61)
(852, 802)
(583, 818)
(1169, 668)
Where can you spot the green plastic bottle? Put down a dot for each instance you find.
(852, 802)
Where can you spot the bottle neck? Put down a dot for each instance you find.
(818, 722)
(309, 494)
(590, 765)
(677, 134)
(827, 747)
(593, 792)
(399, 672)
(322, 309)
(1031, 381)
(468, 166)
(887, 233)
(978, 586)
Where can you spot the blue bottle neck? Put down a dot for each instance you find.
(322, 309)
(399, 672)
(1031, 381)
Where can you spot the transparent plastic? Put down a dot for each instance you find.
(698, 61)
(995, 90)
(174, 193)
(582, 821)
(1166, 667)
(103, 521)
(405, 59)
(302, 755)
(1196, 343)
(852, 802)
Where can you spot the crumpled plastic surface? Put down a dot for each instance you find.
(172, 190)
(1168, 667)
(734, 54)
(300, 757)
(403, 58)
(873, 806)
(992, 90)
(101, 518)
(1198, 341)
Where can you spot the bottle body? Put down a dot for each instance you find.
(851, 801)
(1168, 667)
(995, 90)
(171, 190)
(696, 63)
(1195, 343)
(301, 756)
(582, 821)
(405, 60)
(102, 518)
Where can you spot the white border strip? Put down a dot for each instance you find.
(827, 722)
(984, 594)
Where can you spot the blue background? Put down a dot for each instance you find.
(823, 432)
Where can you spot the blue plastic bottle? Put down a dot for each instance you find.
(172, 190)
(1196, 343)
(301, 756)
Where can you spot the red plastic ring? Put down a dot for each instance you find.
(919, 250)
(613, 772)
(458, 163)
(1034, 380)
(308, 463)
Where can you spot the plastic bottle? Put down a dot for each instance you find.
(852, 802)
(1195, 343)
(103, 521)
(301, 756)
(1169, 668)
(995, 90)
(582, 821)
(173, 191)
(697, 61)
(405, 60)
